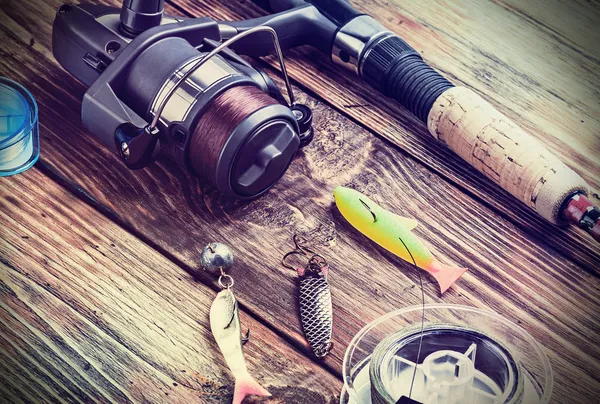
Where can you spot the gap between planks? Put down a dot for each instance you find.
(413, 157)
(85, 197)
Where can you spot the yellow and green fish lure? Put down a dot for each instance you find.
(393, 233)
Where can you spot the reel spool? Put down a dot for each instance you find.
(466, 356)
(176, 90)
(19, 129)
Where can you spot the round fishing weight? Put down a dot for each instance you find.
(19, 130)
(216, 257)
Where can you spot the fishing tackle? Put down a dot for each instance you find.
(160, 85)
(216, 257)
(443, 353)
(19, 128)
(225, 323)
(131, 79)
(316, 312)
(456, 116)
(393, 233)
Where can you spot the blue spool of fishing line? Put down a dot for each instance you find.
(19, 129)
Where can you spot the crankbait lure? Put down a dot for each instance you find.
(393, 233)
(316, 312)
(225, 324)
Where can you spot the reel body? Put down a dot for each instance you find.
(159, 75)
(133, 62)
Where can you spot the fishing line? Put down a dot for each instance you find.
(422, 300)
(422, 318)
(218, 122)
(19, 132)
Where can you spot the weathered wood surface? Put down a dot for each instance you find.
(539, 73)
(551, 289)
(91, 313)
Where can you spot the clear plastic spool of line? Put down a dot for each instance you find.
(19, 130)
(467, 356)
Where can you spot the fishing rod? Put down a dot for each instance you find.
(456, 116)
(135, 58)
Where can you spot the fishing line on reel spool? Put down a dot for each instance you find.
(216, 51)
(175, 89)
(19, 128)
(224, 113)
(220, 118)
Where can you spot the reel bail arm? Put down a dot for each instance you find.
(217, 50)
(302, 113)
(137, 149)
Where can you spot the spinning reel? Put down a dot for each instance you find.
(171, 85)
(227, 121)
(158, 84)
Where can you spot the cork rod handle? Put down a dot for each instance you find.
(501, 150)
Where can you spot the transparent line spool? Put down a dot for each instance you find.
(19, 129)
(468, 356)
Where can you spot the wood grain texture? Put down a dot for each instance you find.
(90, 313)
(525, 68)
(549, 287)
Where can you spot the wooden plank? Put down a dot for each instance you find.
(91, 314)
(502, 54)
(555, 299)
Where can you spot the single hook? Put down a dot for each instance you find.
(317, 261)
(299, 243)
(246, 338)
(283, 260)
(369, 209)
(300, 249)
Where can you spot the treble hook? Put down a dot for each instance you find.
(322, 350)
(299, 250)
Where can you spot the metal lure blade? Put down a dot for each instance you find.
(316, 313)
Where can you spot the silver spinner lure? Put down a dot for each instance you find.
(316, 313)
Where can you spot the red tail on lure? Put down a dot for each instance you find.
(245, 385)
(444, 275)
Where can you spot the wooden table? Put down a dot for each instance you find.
(101, 297)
